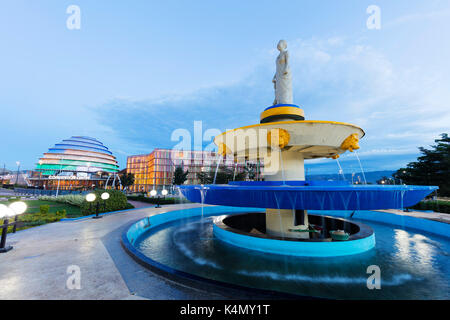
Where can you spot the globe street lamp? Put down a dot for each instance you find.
(153, 193)
(14, 210)
(90, 197)
(18, 168)
(105, 196)
(40, 171)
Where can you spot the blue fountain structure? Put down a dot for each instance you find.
(283, 140)
(288, 235)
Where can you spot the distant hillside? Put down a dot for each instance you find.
(371, 176)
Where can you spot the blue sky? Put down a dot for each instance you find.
(136, 71)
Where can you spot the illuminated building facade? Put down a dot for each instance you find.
(75, 163)
(156, 170)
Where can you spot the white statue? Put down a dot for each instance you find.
(282, 80)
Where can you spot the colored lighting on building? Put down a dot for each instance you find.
(77, 162)
(156, 170)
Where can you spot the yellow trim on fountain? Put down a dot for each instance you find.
(280, 111)
(351, 143)
(289, 122)
(279, 134)
(223, 150)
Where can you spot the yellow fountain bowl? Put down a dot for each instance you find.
(312, 138)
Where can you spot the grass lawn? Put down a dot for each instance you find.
(32, 217)
(33, 207)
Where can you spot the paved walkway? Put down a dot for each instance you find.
(436, 216)
(37, 266)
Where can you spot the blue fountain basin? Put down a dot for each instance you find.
(313, 195)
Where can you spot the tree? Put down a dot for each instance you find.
(127, 179)
(432, 168)
(252, 170)
(386, 180)
(223, 176)
(179, 176)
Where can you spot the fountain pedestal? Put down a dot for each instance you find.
(286, 166)
(281, 222)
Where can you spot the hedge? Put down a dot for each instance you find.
(72, 199)
(117, 201)
(160, 200)
(435, 205)
(29, 220)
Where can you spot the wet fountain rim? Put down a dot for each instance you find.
(141, 226)
(321, 197)
(364, 242)
(326, 187)
(190, 279)
(364, 230)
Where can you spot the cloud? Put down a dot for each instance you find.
(337, 79)
(416, 17)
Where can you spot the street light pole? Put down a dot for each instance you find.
(57, 188)
(14, 209)
(18, 168)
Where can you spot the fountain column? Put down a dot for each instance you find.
(279, 222)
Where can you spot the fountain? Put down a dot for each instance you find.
(288, 235)
(283, 140)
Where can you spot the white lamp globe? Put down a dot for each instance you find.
(153, 193)
(164, 192)
(18, 207)
(3, 210)
(90, 197)
(105, 195)
(9, 213)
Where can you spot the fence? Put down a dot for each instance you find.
(41, 192)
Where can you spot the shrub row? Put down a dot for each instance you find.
(156, 200)
(117, 201)
(72, 199)
(30, 220)
(435, 205)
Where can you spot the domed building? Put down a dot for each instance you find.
(76, 163)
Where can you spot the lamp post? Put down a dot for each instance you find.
(59, 179)
(104, 196)
(40, 171)
(14, 210)
(18, 168)
(91, 198)
(153, 193)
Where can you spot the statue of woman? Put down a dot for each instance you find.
(282, 80)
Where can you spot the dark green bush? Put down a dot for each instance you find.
(29, 220)
(117, 201)
(435, 205)
(44, 209)
(160, 201)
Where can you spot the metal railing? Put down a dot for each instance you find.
(41, 192)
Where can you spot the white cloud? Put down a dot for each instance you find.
(335, 79)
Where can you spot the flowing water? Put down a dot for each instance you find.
(360, 165)
(282, 169)
(235, 168)
(341, 172)
(218, 159)
(413, 265)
